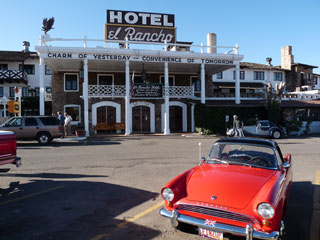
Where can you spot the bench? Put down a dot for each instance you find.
(107, 127)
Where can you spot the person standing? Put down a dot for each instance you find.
(67, 124)
(61, 121)
(237, 127)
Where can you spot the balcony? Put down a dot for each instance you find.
(13, 76)
(301, 96)
(119, 91)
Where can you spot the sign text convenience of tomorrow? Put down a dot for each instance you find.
(142, 58)
(140, 26)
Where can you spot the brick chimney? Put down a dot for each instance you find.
(287, 59)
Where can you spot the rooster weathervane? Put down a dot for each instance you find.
(47, 24)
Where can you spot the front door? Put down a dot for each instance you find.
(175, 119)
(141, 119)
(106, 114)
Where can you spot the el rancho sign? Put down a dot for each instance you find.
(140, 26)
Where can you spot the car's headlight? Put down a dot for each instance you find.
(167, 194)
(265, 210)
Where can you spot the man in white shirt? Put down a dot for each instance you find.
(67, 124)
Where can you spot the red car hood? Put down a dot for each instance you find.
(233, 185)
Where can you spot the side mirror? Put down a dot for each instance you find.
(286, 165)
(287, 158)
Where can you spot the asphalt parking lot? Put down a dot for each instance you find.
(108, 188)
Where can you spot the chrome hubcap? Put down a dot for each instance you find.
(276, 134)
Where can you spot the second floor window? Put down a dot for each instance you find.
(105, 79)
(196, 83)
(71, 82)
(219, 75)
(11, 92)
(242, 76)
(171, 80)
(3, 67)
(277, 76)
(315, 81)
(48, 70)
(1, 91)
(258, 75)
(28, 68)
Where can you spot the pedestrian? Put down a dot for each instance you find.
(61, 122)
(67, 124)
(237, 127)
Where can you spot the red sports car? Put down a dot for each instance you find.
(241, 189)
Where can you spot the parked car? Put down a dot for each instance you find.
(8, 149)
(265, 128)
(41, 128)
(241, 189)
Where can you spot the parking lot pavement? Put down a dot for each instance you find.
(108, 188)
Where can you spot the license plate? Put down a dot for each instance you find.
(210, 234)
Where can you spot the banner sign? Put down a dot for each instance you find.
(152, 90)
(138, 58)
(140, 26)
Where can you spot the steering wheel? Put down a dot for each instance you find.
(259, 160)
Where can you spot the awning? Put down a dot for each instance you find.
(247, 85)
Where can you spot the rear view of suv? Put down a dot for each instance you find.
(41, 128)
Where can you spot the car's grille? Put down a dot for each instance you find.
(216, 213)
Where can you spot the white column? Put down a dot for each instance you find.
(166, 100)
(237, 89)
(41, 85)
(127, 99)
(192, 117)
(85, 96)
(203, 85)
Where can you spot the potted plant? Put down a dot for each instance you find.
(80, 132)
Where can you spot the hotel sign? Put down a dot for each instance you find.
(140, 26)
(152, 90)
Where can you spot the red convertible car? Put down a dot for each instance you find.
(241, 189)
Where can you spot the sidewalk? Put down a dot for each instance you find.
(70, 139)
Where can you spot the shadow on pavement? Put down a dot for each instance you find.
(55, 210)
(51, 175)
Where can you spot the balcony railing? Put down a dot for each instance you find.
(13, 76)
(120, 91)
(300, 96)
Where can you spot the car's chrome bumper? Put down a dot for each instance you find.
(247, 232)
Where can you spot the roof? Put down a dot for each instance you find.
(305, 65)
(269, 143)
(250, 65)
(244, 85)
(17, 56)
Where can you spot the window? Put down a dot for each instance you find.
(3, 67)
(14, 122)
(49, 89)
(48, 70)
(196, 83)
(171, 80)
(25, 92)
(309, 77)
(71, 82)
(104, 79)
(37, 91)
(242, 75)
(30, 122)
(1, 91)
(277, 76)
(219, 75)
(11, 92)
(49, 121)
(28, 68)
(74, 112)
(258, 75)
(137, 79)
(315, 81)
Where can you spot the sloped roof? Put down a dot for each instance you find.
(250, 65)
(17, 56)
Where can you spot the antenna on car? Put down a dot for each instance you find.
(200, 160)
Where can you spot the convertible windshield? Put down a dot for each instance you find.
(243, 154)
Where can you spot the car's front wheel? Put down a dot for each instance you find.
(276, 134)
(44, 138)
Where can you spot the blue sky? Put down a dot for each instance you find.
(260, 27)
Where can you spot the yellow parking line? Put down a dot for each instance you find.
(130, 220)
(316, 210)
(136, 217)
(30, 195)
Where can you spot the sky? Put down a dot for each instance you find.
(260, 27)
